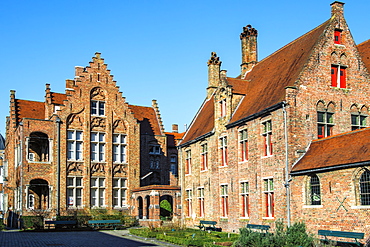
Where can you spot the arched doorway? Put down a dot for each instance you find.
(166, 207)
(38, 194)
(140, 207)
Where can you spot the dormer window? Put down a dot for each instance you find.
(97, 108)
(338, 76)
(338, 37)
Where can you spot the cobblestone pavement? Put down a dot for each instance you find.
(15, 238)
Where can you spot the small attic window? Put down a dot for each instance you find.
(338, 36)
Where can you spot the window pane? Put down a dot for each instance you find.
(94, 136)
(69, 181)
(70, 135)
(320, 117)
(78, 135)
(78, 181)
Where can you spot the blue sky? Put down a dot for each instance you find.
(155, 49)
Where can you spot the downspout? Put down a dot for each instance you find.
(182, 184)
(287, 180)
(21, 162)
(58, 165)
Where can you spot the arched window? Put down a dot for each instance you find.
(315, 196)
(325, 120)
(365, 188)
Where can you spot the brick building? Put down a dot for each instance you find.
(87, 148)
(237, 155)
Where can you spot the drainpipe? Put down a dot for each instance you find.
(182, 184)
(21, 164)
(58, 122)
(287, 179)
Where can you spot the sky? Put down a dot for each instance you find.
(154, 49)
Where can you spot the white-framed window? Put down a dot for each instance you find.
(97, 146)
(155, 149)
(223, 150)
(97, 192)
(223, 108)
(74, 191)
(31, 201)
(224, 200)
(268, 187)
(188, 162)
(201, 202)
(267, 136)
(119, 148)
(314, 190)
(358, 121)
(204, 157)
(97, 108)
(244, 194)
(189, 202)
(119, 192)
(243, 144)
(74, 145)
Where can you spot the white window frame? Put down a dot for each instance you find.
(119, 148)
(269, 197)
(224, 194)
(120, 192)
(243, 144)
(245, 199)
(267, 135)
(223, 150)
(189, 202)
(204, 157)
(188, 162)
(97, 192)
(75, 145)
(98, 147)
(201, 202)
(97, 108)
(74, 191)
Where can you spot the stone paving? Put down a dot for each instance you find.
(111, 238)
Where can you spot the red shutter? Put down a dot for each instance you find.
(334, 76)
(337, 37)
(342, 78)
(270, 139)
(243, 205)
(272, 204)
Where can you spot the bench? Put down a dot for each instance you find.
(62, 223)
(258, 227)
(98, 224)
(207, 225)
(340, 234)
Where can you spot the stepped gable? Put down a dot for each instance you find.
(203, 122)
(29, 109)
(364, 49)
(269, 78)
(58, 98)
(148, 119)
(334, 151)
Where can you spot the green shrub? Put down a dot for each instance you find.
(32, 222)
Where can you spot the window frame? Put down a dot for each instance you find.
(267, 135)
(204, 157)
(224, 195)
(97, 108)
(223, 108)
(201, 202)
(269, 197)
(314, 190)
(119, 201)
(338, 76)
(74, 153)
(188, 162)
(244, 196)
(360, 119)
(100, 191)
(121, 147)
(325, 127)
(74, 192)
(364, 188)
(223, 150)
(100, 151)
(243, 145)
(189, 202)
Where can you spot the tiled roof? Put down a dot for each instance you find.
(147, 118)
(203, 122)
(239, 85)
(29, 109)
(174, 138)
(364, 49)
(57, 98)
(269, 78)
(347, 148)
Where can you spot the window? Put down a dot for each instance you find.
(119, 192)
(269, 197)
(338, 76)
(204, 157)
(74, 145)
(224, 200)
(74, 191)
(337, 37)
(325, 123)
(154, 162)
(31, 201)
(365, 188)
(155, 149)
(223, 108)
(119, 148)
(267, 134)
(97, 146)
(188, 162)
(244, 193)
(201, 202)
(97, 192)
(358, 121)
(173, 162)
(315, 195)
(97, 108)
(189, 198)
(223, 150)
(243, 144)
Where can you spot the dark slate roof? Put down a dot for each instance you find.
(343, 150)
(2, 142)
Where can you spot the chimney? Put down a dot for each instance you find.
(249, 48)
(175, 128)
(214, 65)
(337, 8)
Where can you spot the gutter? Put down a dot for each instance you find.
(330, 168)
(199, 138)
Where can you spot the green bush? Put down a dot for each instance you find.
(32, 222)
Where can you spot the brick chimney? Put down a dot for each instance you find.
(249, 49)
(214, 65)
(175, 128)
(337, 8)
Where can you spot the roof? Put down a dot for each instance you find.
(239, 85)
(348, 148)
(203, 122)
(29, 109)
(2, 142)
(147, 118)
(57, 98)
(269, 78)
(364, 49)
(173, 138)
(156, 187)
